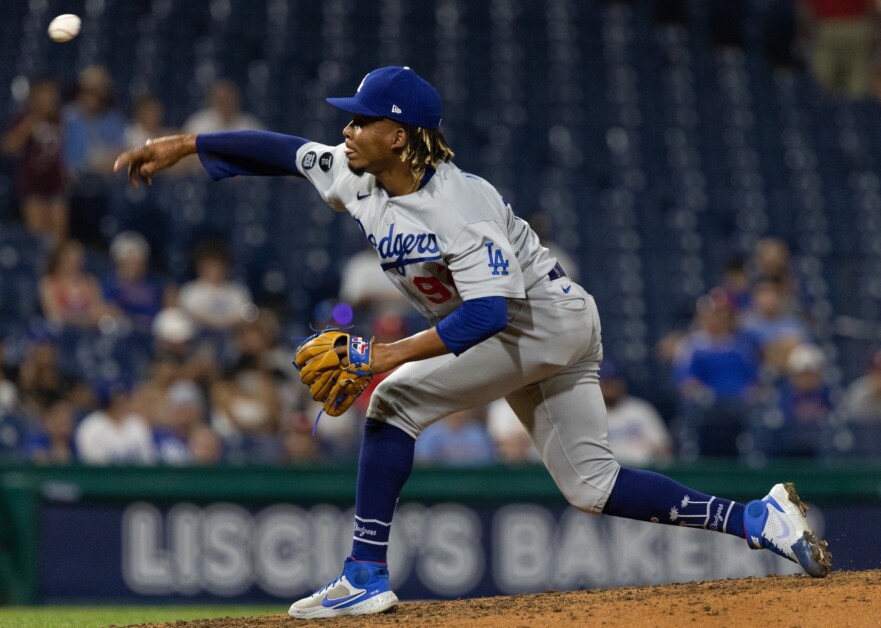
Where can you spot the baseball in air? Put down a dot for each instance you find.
(64, 27)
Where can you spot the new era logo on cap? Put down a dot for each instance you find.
(397, 93)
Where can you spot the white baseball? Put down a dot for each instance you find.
(64, 27)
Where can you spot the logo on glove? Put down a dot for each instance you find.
(359, 345)
(359, 353)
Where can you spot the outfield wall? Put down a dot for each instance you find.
(71, 534)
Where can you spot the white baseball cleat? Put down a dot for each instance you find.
(778, 523)
(362, 589)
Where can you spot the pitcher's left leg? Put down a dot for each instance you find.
(567, 419)
(777, 522)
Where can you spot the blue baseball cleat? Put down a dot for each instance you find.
(362, 589)
(778, 523)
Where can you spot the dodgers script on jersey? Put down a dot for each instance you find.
(452, 240)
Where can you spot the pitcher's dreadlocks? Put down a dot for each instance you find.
(425, 148)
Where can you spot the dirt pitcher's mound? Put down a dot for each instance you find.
(842, 599)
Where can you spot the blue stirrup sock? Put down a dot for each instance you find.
(648, 496)
(384, 465)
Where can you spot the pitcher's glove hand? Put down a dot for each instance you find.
(336, 367)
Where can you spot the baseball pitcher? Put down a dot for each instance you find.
(506, 321)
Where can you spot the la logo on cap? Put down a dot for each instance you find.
(396, 109)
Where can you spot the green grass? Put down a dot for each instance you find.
(99, 616)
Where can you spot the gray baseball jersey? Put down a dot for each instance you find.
(454, 239)
(457, 239)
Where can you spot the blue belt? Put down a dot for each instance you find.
(557, 272)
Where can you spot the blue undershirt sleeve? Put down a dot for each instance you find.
(249, 153)
(473, 322)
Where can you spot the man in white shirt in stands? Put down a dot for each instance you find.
(114, 434)
(637, 433)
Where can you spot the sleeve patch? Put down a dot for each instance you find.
(325, 162)
(497, 260)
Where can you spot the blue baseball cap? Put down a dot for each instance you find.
(397, 93)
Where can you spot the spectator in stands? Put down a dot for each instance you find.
(223, 113)
(841, 34)
(147, 121)
(772, 261)
(178, 346)
(94, 130)
(51, 442)
(34, 136)
(458, 440)
(136, 294)
(185, 414)
(772, 325)
(206, 447)
(298, 443)
(512, 442)
(736, 283)
(41, 381)
(861, 402)
(246, 407)
(254, 341)
(805, 404)
(149, 395)
(177, 355)
(114, 434)
(717, 359)
(69, 294)
(717, 370)
(212, 299)
(637, 433)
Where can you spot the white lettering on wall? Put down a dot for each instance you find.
(522, 535)
(146, 566)
(455, 560)
(185, 526)
(227, 531)
(281, 550)
(288, 551)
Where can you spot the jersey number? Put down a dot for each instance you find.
(433, 289)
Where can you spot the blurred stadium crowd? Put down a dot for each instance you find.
(707, 169)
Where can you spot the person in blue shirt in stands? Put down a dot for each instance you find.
(459, 440)
(51, 439)
(805, 405)
(137, 294)
(717, 371)
(94, 130)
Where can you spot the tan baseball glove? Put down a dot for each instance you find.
(336, 367)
